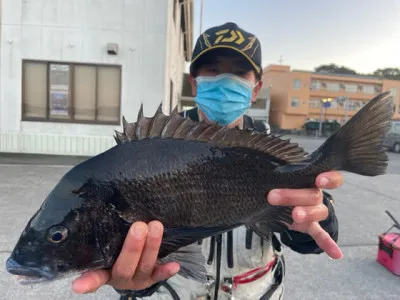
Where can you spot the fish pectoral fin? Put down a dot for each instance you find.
(191, 261)
(180, 245)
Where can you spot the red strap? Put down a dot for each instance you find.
(253, 275)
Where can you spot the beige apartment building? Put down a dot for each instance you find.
(296, 95)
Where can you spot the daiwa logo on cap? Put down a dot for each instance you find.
(226, 36)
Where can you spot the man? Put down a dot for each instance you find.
(226, 76)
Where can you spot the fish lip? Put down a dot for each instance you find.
(28, 280)
(28, 275)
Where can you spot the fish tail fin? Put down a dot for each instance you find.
(357, 146)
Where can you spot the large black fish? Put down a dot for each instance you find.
(197, 179)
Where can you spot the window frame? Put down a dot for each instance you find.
(71, 65)
(294, 86)
(293, 99)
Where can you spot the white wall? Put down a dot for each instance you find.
(174, 63)
(78, 31)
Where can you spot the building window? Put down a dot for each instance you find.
(295, 102)
(394, 92)
(315, 85)
(314, 103)
(354, 105)
(296, 84)
(350, 88)
(78, 93)
(332, 86)
(369, 89)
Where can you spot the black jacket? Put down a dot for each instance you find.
(297, 241)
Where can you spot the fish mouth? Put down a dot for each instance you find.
(28, 275)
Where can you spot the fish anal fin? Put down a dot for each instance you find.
(272, 221)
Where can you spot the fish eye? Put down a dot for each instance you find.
(57, 234)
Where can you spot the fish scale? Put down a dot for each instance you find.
(219, 176)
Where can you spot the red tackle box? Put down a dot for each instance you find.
(389, 248)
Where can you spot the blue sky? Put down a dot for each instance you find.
(360, 34)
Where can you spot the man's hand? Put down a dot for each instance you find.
(135, 267)
(309, 210)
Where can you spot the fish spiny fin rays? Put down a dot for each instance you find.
(177, 127)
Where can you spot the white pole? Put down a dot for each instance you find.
(320, 119)
(345, 109)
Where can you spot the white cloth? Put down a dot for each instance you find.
(244, 260)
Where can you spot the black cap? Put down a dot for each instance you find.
(229, 36)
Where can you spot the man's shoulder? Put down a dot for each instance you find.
(248, 122)
(256, 125)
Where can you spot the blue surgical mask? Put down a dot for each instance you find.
(223, 98)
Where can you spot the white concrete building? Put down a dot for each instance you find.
(71, 69)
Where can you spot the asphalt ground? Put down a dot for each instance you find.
(360, 206)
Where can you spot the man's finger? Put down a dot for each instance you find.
(329, 180)
(150, 252)
(308, 214)
(127, 261)
(297, 197)
(324, 241)
(90, 281)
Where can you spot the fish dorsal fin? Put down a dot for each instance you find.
(175, 126)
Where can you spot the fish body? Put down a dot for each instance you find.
(198, 179)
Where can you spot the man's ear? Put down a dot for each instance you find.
(193, 85)
(256, 91)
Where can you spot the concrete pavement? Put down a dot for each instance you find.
(360, 206)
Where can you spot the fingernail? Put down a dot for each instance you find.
(155, 229)
(173, 270)
(91, 291)
(331, 258)
(324, 181)
(274, 197)
(139, 231)
(301, 215)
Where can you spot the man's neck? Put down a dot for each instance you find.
(238, 123)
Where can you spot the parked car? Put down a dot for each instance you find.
(392, 139)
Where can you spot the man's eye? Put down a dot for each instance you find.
(241, 72)
(212, 70)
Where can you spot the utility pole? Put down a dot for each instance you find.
(280, 59)
(325, 102)
(201, 17)
(346, 106)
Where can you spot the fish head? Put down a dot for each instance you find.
(68, 235)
